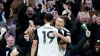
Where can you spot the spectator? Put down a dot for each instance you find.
(25, 17)
(3, 30)
(2, 17)
(95, 51)
(10, 41)
(72, 50)
(50, 6)
(95, 31)
(11, 22)
(26, 14)
(5, 9)
(82, 17)
(85, 48)
(96, 4)
(15, 51)
(89, 5)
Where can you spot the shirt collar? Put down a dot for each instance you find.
(47, 24)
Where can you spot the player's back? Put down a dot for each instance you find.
(48, 45)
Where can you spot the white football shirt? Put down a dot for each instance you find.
(48, 44)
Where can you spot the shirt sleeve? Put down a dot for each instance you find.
(35, 35)
(59, 33)
(66, 33)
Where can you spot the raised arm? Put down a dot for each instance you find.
(80, 44)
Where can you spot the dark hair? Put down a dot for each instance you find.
(18, 48)
(48, 17)
(11, 33)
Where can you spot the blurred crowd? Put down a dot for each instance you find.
(19, 19)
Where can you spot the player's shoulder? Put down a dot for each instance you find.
(66, 30)
(53, 27)
(40, 27)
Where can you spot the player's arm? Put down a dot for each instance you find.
(34, 44)
(34, 47)
(68, 40)
(67, 36)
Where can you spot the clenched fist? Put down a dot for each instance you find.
(88, 33)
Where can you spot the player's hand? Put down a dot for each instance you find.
(55, 34)
(88, 33)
